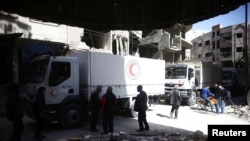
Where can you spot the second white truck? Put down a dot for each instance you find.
(191, 76)
(69, 81)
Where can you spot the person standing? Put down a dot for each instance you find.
(108, 104)
(14, 108)
(94, 107)
(175, 101)
(217, 96)
(141, 107)
(40, 111)
(223, 100)
(205, 93)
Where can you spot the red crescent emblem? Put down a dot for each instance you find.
(133, 69)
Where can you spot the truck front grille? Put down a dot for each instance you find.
(172, 85)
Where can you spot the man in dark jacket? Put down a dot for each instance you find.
(39, 112)
(94, 106)
(175, 101)
(141, 107)
(108, 104)
(223, 100)
(15, 113)
(217, 96)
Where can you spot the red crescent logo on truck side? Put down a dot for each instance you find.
(53, 92)
(133, 69)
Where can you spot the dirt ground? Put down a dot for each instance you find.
(192, 124)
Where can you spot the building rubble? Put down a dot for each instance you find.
(239, 111)
(143, 136)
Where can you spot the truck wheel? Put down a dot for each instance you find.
(71, 116)
(192, 99)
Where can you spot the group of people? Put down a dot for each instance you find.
(216, 98)
(15, 112)
(108, 104)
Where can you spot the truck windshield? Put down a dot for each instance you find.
(176, 72)
(38, 71)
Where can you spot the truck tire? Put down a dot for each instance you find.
(71, 116)
(192, 99)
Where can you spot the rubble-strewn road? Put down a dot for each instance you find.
(162, 127)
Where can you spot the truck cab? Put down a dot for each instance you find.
(184, 76)
(58, 76)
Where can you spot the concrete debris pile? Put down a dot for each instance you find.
(144, 136)
(239, 111)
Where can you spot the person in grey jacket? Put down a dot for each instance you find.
(175, 101)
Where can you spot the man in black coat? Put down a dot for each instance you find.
(217, 96)
(141, 107)
(94, 107)
(108, 109)
(39, 112)
(14, 108)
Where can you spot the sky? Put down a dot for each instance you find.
(236, 16)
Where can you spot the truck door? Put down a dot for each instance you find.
(60, 82)
(191, 76)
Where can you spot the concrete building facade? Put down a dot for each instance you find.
(228, 46)
(223, 45)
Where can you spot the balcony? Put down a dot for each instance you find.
(226, 56)
(225, 44)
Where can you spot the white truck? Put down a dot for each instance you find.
(69, 81)
(191, 76)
